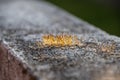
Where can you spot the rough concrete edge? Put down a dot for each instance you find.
(65, 12)
(19, 64)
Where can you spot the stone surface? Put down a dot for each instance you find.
(22, 23)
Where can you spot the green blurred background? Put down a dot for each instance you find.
(104, 14)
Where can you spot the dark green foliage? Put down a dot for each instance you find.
(104, 16)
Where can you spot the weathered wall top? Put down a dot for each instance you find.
(23, 23)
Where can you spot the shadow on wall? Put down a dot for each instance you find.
(102, 13)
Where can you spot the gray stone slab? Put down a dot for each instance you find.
(22, 23)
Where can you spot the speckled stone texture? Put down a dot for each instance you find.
(22, 23)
